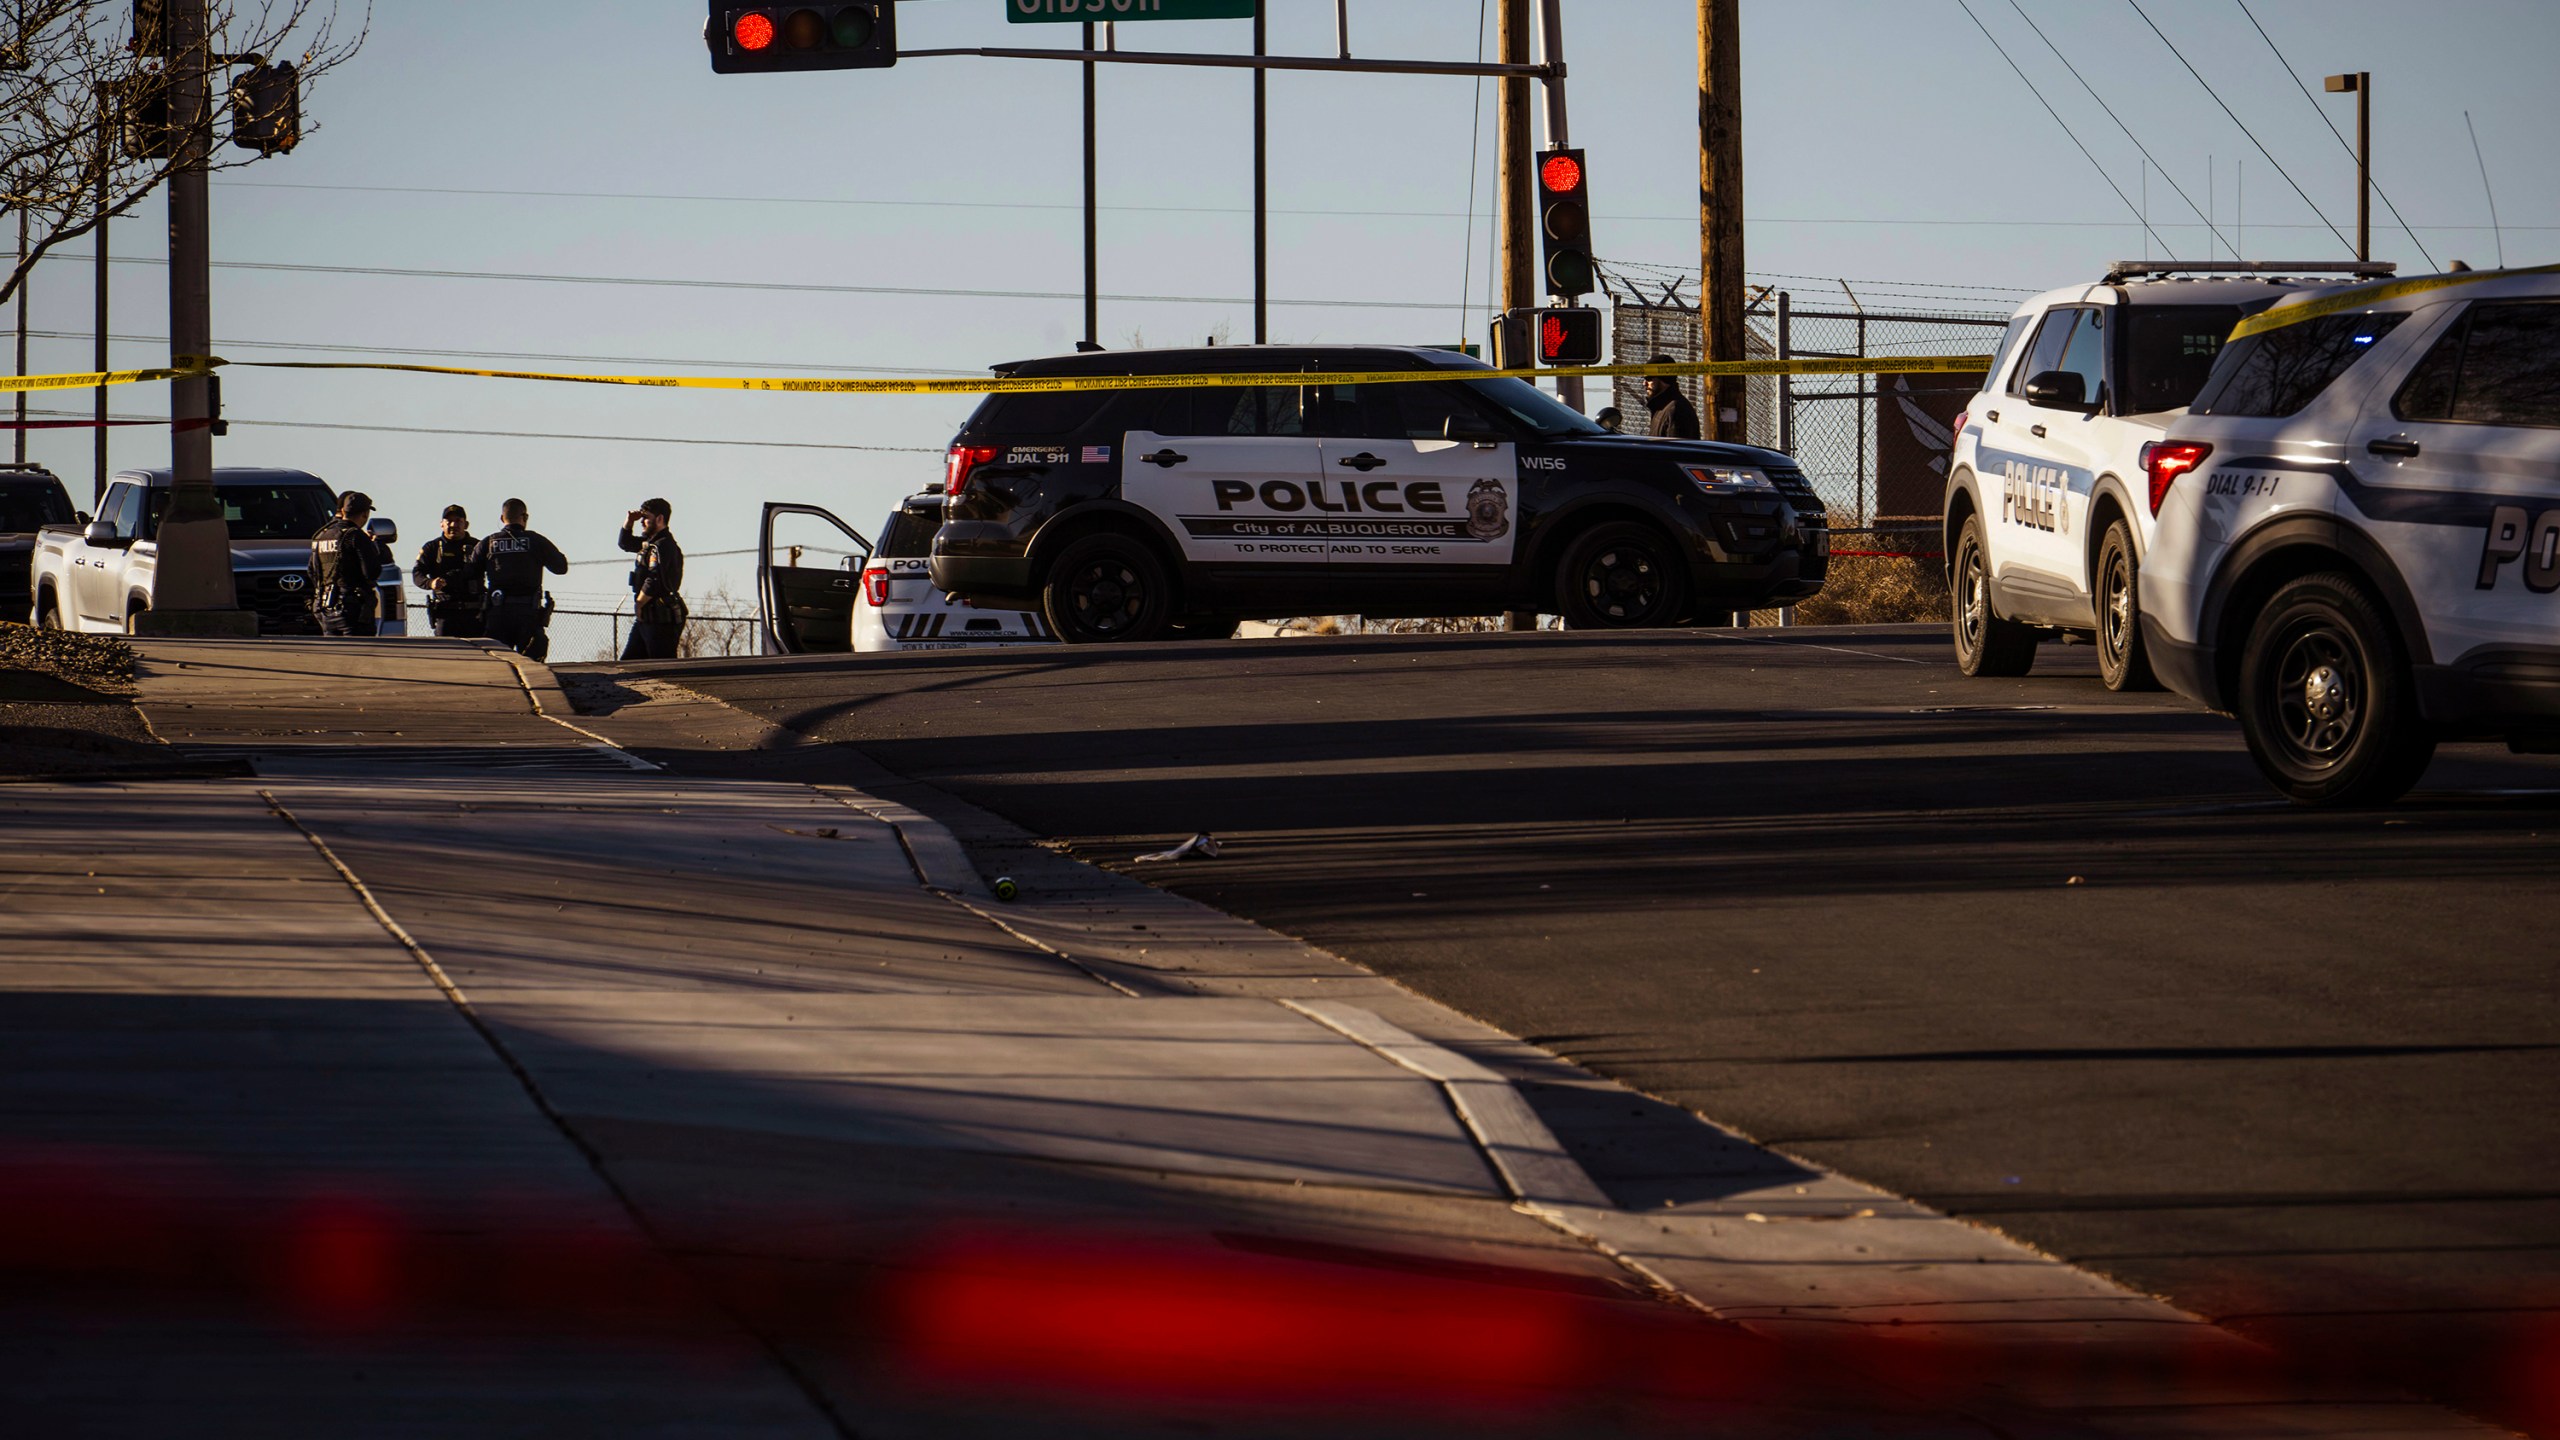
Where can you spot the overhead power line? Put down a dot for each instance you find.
(2323, 113)
(2143, 219)
(768, 285)
(2127, 129)
(769, 366)
(2236, 120)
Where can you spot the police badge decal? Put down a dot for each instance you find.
(1488, 511)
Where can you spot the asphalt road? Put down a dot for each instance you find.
(2037, 955)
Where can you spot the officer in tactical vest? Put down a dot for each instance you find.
(455, 594)
(657, 580)
(510, 561)
(346, 570)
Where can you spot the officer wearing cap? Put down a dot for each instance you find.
(455, 596)
(657, 583)
(346, 570)
(510, 561)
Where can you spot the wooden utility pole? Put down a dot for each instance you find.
(1720, 287)
(1517, 216)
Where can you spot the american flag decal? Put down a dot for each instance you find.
(1097, 454)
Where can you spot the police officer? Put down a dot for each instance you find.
(1674, 417)
(346, 570)
(455, 595)
(509, 562)
(657, 582)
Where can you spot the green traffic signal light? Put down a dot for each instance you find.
(853, 27)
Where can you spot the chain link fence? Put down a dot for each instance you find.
(1874, 446)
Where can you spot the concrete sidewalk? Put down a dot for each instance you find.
(879, 1154)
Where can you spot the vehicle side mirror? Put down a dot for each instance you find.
(384, 529)
(1471, 430)
(99, 532)
(80, 517)
(2058, 390)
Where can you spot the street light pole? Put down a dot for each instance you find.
(1092, 264)
(2361, 83)
(192, 590)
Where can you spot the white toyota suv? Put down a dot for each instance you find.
(2358, 537)
(2044, 526)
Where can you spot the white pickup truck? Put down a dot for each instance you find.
(99, 576)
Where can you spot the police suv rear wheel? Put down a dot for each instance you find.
(1620, 576)
(2326, 702)
(2122, 664)
(1986, 645)
(1106, 588)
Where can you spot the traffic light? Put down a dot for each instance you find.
(769, 39)
(1564, 219)
(266, 109)
(1570, 336)
(150, 29)
(142, 116)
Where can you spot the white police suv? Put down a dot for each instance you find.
(2045, 529)
(2358, 537)
(898, 607)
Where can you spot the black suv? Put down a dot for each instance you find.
(30, 499)
(1133, 514)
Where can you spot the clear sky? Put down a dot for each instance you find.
(1886, 142)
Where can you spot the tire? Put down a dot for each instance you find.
(48, 613)
(1621, 576)
(1986, 645)
(131, 609)
(2122, 662)
(1104, 589)
(2326, 699)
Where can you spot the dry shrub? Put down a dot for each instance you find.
(1901, 588)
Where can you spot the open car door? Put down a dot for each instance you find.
(805, 587)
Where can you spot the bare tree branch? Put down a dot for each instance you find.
(69, 82)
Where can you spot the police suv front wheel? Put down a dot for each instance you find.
(2328, 707)
(1985, 643)
(1620, 576)
(1106, 588)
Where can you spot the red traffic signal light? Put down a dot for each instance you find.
(1569, 336)
(1564, 219)
(763, 39)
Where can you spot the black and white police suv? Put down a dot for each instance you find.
(2044, 527)
(1139, 513)
(897, 606)
(2358, 542)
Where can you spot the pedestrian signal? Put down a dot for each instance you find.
(1569, 336)
(266, 109)
(765, 39)
(1564, 219)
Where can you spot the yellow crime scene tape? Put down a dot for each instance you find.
(1014, 384)
(2358, 296)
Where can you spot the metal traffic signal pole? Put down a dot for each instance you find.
(1720, 286)
(1261, 184)
(192, 592)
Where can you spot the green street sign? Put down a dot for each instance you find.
(1037, 12)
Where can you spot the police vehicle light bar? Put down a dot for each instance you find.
(2361, 269)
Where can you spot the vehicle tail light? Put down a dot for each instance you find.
(2165, 460)
(962, 460)
(875, 587)
(1955, 432)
